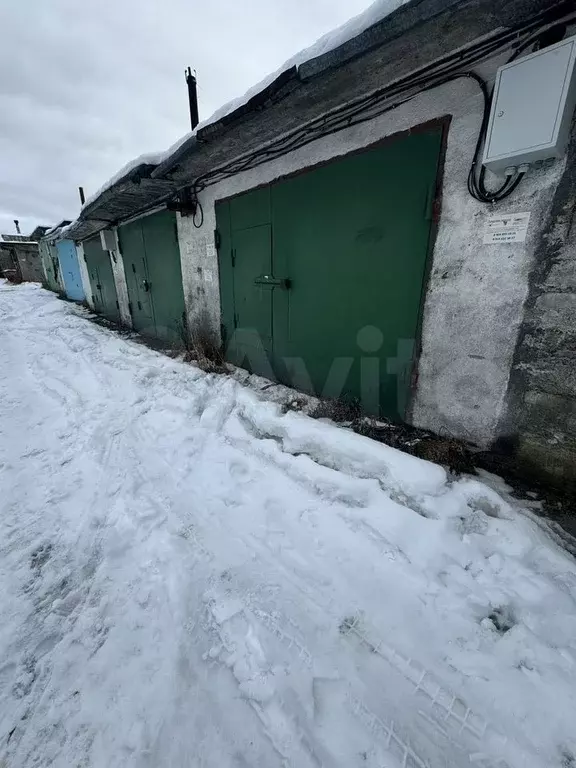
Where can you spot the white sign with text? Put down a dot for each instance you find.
(506, 228)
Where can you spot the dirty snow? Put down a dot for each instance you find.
(191, 578)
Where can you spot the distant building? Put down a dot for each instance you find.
(20, 259)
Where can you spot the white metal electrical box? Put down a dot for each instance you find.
(532, 107)
(108, 239)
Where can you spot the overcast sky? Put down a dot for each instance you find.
(86, 85)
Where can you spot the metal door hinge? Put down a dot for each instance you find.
(217, 239)
(233, 257)
(235, 320)
(130, 307)
(133, 268)
(117, 305)
(139, 306)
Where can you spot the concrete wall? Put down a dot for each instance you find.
(29, 261)
(474, 302)
(7, 266)
(541, 399)
(84, 275)
(117, 263)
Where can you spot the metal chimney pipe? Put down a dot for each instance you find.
(17, 224)
(192, 98)
(82, 197)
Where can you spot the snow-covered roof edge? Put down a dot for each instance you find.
(375, 13)
(147, 159)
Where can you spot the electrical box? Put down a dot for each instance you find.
(108, 239)
(532, 107)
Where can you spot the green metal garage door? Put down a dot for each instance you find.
(322, 273)
(153, 275)
(49, 257)
(101, 279)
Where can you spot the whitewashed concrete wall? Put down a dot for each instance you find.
(474, 301)
(117, 263)
(84, 275)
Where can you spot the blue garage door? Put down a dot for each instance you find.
(70, 270)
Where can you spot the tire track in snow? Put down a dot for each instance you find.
(449, 711)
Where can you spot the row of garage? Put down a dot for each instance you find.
(146, 252)
(342, 232)
(308, 297)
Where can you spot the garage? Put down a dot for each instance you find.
(151, 255)
(70, 270)
(322, 273)
(101, 277)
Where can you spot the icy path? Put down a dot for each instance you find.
(190, 578)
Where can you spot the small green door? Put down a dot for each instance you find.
(165, 275)
(154, 277)
(246, 222)
(102, 280)
(51, 266)
(335, 298)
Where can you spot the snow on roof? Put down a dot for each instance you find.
(17, 240)
(328, 42)
(353, 27)
(51, 231)
(13, 240)
(150, 158)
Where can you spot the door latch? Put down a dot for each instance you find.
(146, 285)
(281, 282)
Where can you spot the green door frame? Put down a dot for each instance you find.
(243, 213)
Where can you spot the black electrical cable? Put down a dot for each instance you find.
(532, 39)
(198, 208)
(476, 185)
(375, 104)
(349, 115)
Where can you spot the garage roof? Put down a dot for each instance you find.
(409, 38)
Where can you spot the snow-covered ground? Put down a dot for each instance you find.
(191, 578)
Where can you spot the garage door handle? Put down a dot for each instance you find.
(281, 282)
(146, 285)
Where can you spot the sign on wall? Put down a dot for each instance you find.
(506, 228)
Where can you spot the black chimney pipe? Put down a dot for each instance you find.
(192, 98)
(82, 196)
